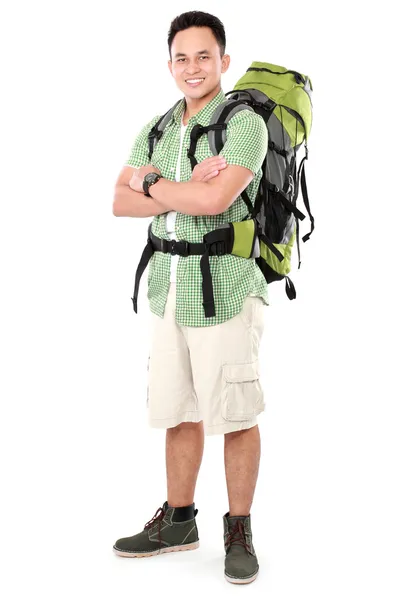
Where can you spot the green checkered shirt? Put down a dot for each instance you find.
(233, 277)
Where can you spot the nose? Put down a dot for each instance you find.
(192, 68)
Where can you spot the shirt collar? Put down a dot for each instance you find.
(204, 115)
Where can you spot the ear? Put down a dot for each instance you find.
(170, 66)
(225, 62)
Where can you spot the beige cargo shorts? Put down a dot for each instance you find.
(208, 374)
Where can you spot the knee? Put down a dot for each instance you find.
(187, 425)
(242, 432)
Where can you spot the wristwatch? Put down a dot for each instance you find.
(149, 180)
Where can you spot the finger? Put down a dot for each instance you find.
(213, 160)
(210, 175)
(210, 169)
(217, 167)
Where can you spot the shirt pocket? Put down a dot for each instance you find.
(161, 157)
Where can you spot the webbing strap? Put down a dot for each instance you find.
(216, 243)
(147, 254)
(248, 203)
(207, 286)
(280, 195)
(154, 134)
(306, 201)
(271, 246)
(298, 242)
(290, 289)
(197, 131)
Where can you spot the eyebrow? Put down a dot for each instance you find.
(179, 54)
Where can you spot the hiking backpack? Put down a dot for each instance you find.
(267, 233)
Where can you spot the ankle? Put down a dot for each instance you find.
(239, 513)
(182, 513)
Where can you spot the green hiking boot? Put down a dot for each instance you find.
(163, 533)
(241, 565)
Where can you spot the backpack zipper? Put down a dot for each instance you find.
(298, 77)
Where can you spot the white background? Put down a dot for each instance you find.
(80, 467)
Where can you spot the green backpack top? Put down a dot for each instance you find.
(267, 233)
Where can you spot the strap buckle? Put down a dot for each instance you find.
(185, 246)
(217, 248)
(180, 247)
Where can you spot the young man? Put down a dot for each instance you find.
(203, 371)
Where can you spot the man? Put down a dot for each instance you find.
(203, 371)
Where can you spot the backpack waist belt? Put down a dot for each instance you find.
(240, 239)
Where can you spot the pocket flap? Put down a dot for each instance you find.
(241, 372)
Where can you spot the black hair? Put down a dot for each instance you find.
(197, 18)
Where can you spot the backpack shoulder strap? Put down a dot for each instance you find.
(222, 114)
(249, 99)
(158, 129)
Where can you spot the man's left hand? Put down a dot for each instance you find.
(136, 181)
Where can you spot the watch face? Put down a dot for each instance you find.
(151, 178)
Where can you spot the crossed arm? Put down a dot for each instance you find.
(194, 198)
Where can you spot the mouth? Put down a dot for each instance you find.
(195, 81)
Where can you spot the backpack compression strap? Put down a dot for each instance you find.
(302, 177)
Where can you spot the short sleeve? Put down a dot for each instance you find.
(139, 154)
(246, 140)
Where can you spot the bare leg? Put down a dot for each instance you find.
(184, 452)
(242, 459)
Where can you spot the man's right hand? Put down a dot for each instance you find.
(208, 168)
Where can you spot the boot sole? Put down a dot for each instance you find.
(237, 580)
(191, 546)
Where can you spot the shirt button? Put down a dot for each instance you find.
(177, 227)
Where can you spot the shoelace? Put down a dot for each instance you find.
(237, 529)
(158, 517)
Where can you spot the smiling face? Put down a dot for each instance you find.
(196, 63)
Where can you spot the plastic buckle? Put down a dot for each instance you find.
(173, 247)
(164, 245)
(217, 248)
(185, 246)
(271, 187)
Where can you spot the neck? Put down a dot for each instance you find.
(195, 105)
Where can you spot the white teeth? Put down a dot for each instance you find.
(194, 80)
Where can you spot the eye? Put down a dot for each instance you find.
(203, 56)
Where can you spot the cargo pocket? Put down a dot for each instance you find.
(242, 394)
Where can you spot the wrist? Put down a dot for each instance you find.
(149, 180)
